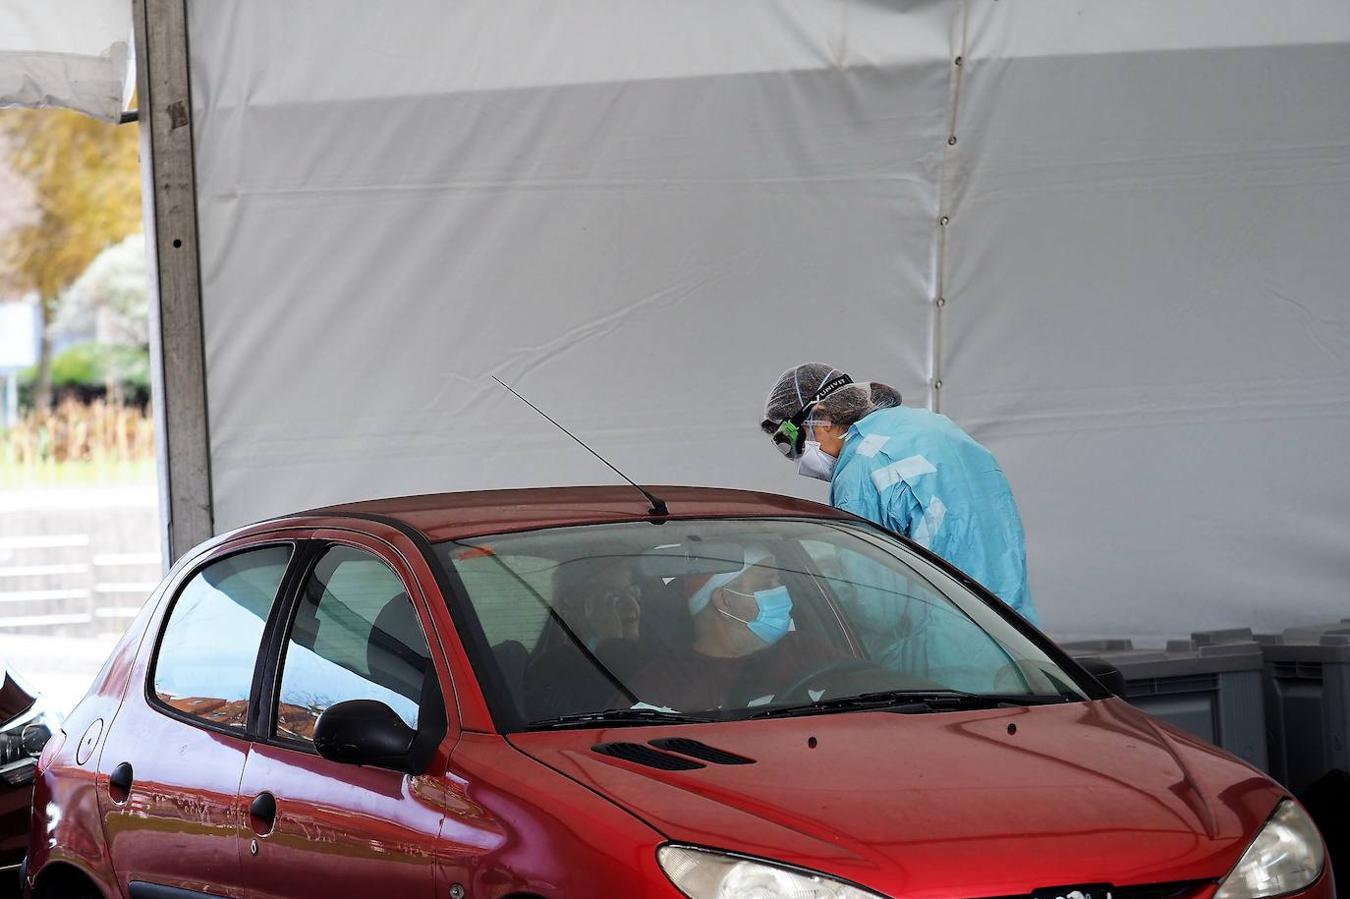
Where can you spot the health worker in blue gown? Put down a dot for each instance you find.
(915, 473)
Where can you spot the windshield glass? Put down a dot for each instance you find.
(729, 618)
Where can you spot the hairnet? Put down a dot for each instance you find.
(845, 408)
(791, 391)
(699, 599)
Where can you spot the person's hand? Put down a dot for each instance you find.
(614, 614)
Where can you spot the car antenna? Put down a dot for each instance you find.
(658, 510)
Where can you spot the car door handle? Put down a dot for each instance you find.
(119, 782)
(262, 813)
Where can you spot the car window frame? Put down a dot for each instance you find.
(297, 547)
(431, 728)
(507, 719)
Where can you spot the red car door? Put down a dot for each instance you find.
(169, 770)
(354, 630)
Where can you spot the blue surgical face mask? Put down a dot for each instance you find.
(774, 619)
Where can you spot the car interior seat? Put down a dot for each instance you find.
(666, 622)
(397, 656)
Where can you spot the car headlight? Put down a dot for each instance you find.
(1286, 856)
(703, 874)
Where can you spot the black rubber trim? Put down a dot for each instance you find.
(262, 709)
(639, 754)
(695, 749)
(141, 889)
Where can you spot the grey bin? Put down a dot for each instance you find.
(1209, 685)
(1308, 702)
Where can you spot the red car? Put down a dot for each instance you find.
(576, 693)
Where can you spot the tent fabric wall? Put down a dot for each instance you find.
(639, 214)
(73, 54)
(1147, 317)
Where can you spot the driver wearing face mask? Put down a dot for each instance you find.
(745, 645)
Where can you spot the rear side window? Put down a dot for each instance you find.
(355, 636)
(210, 643)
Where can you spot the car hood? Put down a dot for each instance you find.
(977, 803)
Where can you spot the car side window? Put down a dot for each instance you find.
(355, 635)
(209, 644)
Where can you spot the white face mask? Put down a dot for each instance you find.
(815, 462)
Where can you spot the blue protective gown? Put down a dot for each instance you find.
(916, 473)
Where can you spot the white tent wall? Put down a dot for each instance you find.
(639, 213)
(1147, 321)
(636, 213)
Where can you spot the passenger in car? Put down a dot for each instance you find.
(597, 604)
(745, 647)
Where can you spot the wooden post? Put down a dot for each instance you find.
(177, 354)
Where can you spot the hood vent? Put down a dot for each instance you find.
(645, 755)
(694, 748)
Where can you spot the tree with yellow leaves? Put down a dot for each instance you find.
(87, 191)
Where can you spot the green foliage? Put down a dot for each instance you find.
(88, 369)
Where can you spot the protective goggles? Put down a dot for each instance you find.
(790, 435)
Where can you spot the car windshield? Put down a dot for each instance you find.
(731, 618)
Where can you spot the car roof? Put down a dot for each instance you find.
(448, 516)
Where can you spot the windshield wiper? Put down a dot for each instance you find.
(913, 701)
(617, 718)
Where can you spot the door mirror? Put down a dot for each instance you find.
(1107, 675)
(364, 732)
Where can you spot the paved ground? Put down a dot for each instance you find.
(76, 563)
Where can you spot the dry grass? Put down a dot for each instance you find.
(98, 433)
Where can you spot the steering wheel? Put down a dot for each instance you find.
(797, 691)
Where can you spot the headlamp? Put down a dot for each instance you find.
(705, 874)
(1286, 856)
